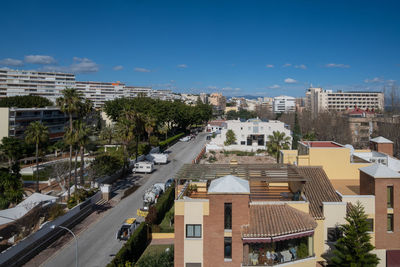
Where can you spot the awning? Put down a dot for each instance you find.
(248, 240)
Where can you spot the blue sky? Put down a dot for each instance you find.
(264, 48)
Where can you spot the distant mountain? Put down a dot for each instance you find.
(246, 96)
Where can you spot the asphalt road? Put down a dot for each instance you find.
(98, 244)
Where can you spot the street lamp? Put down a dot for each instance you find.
(76, 240)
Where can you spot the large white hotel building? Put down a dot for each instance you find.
(318, 100)
(50, 85)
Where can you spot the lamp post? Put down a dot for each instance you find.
(76, 241)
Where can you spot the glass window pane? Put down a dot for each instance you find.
(228, 216)
(189, 231)
(390, 196)
(197, 231)
(390, 222)
(228, 247)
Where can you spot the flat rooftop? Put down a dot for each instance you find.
(321, 144)
(347, 187)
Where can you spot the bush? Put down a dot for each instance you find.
(144, 149)
(154, 140)
(160, 259)
(166, 143)
(302, 251)
(212, 159)
(133, 248)
(55, 211)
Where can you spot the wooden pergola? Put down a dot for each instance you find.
(255, 172)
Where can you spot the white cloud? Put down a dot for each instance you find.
(80, 65)
(374, 80)
(269, 66)
(287, 65)
(39, 59)
(275, 86)
(228, 88)
(182, 66)
(141, 70)
(290, 80)
(212, 87)
(335, 65)
(302, 66)
(118, 67)
(11, 62)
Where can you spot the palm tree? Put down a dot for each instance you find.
(276, 142)
(83, 132)
(149, 125)
(71, 138)
(36, 133)
(125, 134)
(138, 124)
(70, 103)
(107, 133)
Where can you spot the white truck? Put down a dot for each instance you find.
(157, 158)
(143, 167)
(127, 229)
(152, 194)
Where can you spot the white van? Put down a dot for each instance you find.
(143, 167)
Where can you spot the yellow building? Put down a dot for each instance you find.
(336, 160)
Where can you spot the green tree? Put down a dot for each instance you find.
(354, 247)
(149, 125)
(296, 132)
(10, 186)
(26, 101)
(12, 148)
(83, 132)
(70, 103)
(107, 133)
(124, 130)
(105, 164)
(230, 138)
(37, 134)
(276, 142)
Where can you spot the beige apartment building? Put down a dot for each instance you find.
(217, 100)
(318, 99)
(40, 83)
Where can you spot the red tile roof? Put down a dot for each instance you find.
(275, 220)
(317, 189)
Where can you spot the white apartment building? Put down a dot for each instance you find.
(251, 134)
(40, 83)
(100, 92)
(284, 103)
(319, 100)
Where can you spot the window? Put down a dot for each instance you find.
(228, 247)
(390, 196)
(228, 216)
(334, 234)
(193, 230)
(243, 142)
(370, 225)
(390, 222)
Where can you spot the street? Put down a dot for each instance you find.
(98, 243)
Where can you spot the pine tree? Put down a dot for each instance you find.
(296, 131)
(354, 247)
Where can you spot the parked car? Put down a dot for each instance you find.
(169, 182)
(185, 139)
(127, 229)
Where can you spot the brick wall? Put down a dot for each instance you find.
(385, 148)
(179, 239)
(383, 239)
(214, 229)
(367, 184)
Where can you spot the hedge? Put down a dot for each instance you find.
(165, 203)
(133, 248)
(165, 143)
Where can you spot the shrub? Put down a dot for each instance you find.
(154, 140)
(212, 159)
(166, 143)
(159, 259)
(165, 203)
(55, 211)
(302, 251)
(144, 149)
(212, 152)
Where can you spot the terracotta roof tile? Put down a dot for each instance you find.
(317, 189)
(275, 220)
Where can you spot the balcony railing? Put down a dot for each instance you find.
(272, 262)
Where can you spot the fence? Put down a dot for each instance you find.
(27, 248)
(199, 156)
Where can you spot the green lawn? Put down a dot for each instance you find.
(155, 249)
